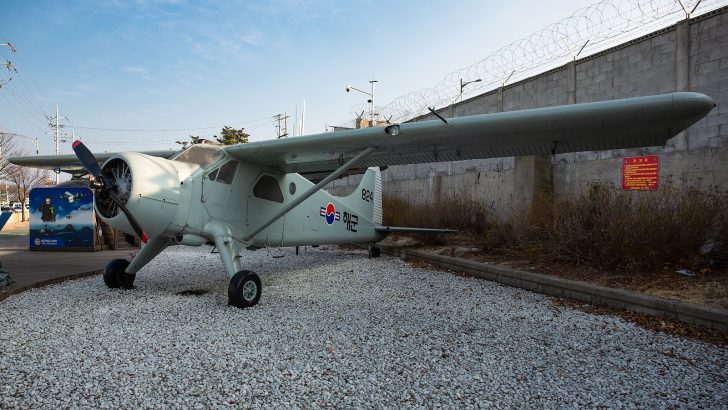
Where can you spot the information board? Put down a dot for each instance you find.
(640, 173)
(62, 219)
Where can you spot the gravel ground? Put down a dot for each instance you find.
(334, 328)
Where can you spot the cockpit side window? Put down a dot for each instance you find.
(212, 175)
(227, 172)
(267, 188)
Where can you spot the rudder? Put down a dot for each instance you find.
(367, 197)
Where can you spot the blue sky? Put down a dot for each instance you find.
(176, 64)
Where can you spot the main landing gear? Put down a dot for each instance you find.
(244, 289)
(115, 275)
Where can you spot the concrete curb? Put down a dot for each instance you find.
(4, 294)
(582, 291)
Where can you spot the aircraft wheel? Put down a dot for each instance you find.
(244, 289)
(115, 275)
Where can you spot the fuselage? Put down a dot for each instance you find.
(179, 197)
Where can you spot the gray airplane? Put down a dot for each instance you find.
(254, 195)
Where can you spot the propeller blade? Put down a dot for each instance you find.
(87, 159)
(132, 221)
(92, 166)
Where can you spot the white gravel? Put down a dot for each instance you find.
(334, 328)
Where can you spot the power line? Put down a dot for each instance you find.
(43, 97)
(281, 131)
(19, 74)
(168, 130)
(21, 114)
(37, 104)
(25, 103)
(24, 69)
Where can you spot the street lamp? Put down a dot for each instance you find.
(31, 139)
(370, 100)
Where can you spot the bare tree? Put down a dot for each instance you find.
(7, 149)
(24, 179)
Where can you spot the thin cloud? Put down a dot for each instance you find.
(140, 71)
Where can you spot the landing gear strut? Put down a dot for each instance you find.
(244, 289)
(115, 275)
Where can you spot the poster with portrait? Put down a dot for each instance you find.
(61, 219)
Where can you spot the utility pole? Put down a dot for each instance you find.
(282, 132)
(7, 63)
(371, 104)
(58, 127)
(58, 139)
(370, 100)
(8, 45)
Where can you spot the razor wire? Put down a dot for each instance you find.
(586, 32)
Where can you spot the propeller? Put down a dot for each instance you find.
(108, 187)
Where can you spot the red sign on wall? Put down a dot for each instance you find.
(640, 173)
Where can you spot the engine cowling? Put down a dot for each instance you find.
(150, 187)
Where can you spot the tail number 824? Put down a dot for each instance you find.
(367, 195)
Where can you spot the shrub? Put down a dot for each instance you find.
(457, 212)
(602, 227)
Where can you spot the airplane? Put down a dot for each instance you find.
(72, 197)
(253, 195)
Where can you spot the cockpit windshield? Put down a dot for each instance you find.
(199, 154)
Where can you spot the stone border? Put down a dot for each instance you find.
(571, 289)
(4, 294)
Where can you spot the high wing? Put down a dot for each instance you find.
(70, 163)
(626, 123)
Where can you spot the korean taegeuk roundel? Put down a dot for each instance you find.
(330, 213)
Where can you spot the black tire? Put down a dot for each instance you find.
(244, 289)
(115, 275)
(376, 252)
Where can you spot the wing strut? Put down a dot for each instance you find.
(350, 164)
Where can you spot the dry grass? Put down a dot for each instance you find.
(603, 227)
(459, 212)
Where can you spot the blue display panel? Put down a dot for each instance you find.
(62, 219)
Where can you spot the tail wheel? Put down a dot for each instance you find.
(374, 252)
(115, 275)
(244, 289)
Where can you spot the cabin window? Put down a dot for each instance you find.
(227, 172)
(292, 188)
(200, 155)
(267, 188)
(213, 174)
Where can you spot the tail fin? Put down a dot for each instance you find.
(367, 197)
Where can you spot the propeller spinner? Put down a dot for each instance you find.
(108, 187)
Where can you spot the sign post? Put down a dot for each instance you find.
(640, 173)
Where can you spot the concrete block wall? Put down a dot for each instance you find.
(545, 90)
(690, 56)
(698, 156)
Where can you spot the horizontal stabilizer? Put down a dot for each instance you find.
(408, 229)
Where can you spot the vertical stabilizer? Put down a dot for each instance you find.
(367, 197)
